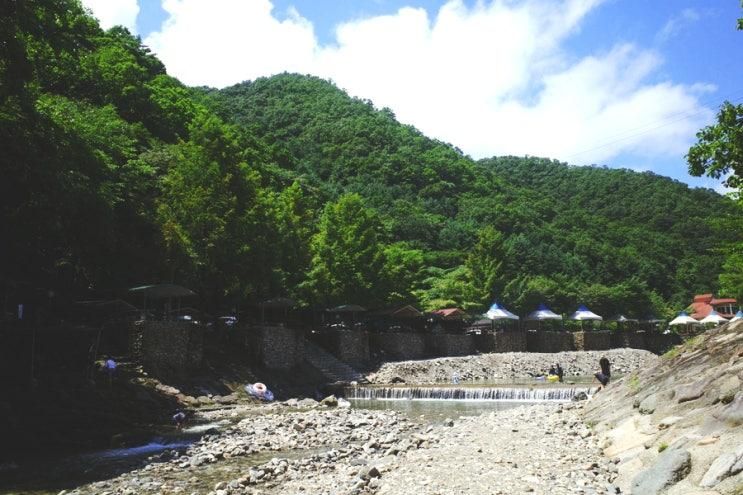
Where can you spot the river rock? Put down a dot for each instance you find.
(368, 472)
(307, 403)
(733, 412)
(330, 401)
(670, 467)
(648, 405)
(728, 464)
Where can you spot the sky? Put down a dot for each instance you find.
(622, 83)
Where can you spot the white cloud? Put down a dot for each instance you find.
(115, 12)
(491, 79)
(676, 23)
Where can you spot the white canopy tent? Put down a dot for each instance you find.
(738, 316)
(585, 314)
(683, 319)
(498, 312)
(713, 317)
(543, 313)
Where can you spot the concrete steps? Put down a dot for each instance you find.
(330, 366)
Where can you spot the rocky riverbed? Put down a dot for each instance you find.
(508, 367)
(305, 447)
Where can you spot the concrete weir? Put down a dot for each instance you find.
(513, 394)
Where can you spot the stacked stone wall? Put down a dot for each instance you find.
(353, 347)
(398, 346)
(167, 345)
(448, 344)
(592, 340)
(510, 342)
(278, 348)
(541, 341)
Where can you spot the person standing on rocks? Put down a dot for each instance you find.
(604, 375)
(179, 418)
(559, 371)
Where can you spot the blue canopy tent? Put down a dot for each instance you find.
(583, 314)
(738, 316)
(501, 314)
(498, 312)
(543, 313)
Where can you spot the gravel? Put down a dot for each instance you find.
(507, 367)
(540, 449)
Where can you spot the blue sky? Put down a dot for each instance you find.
(624, 83)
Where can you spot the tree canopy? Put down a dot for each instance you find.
(116, 174)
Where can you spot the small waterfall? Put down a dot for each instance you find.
(513, 394)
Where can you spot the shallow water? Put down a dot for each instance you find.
(435, 410)
(51, 474)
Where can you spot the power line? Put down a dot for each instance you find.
(644, 129)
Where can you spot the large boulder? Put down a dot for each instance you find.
(728, 464)
(670, 467)
(330, 401)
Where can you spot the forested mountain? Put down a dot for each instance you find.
(115, 174)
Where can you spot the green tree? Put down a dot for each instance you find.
(719, 150)
(347, 256)
(484, 266)
(209, 211)
(401, 272)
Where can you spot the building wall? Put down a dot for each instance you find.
(167, 345)
(448, 344)
(398, 346)
(541, 341)
(592, 340)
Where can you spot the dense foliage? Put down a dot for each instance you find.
(115, 174)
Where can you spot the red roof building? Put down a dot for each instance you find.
(450, 313)
(704, 304)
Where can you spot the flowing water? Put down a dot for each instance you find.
(499, 394)
(50, 474)
(436, 403)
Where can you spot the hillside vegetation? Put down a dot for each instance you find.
(115, 174)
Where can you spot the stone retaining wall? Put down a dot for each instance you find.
(592, 340)
(448, 344)
(278, 348)
(398, 346)
(541, 341)
(351, 347)
(660, 343)
(167, 345)
(510, 342)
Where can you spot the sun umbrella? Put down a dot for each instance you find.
(714, 317)
(584, 314)
(543, 313)
(498, 312)
(683, 319)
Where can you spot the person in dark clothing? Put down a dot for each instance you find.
(558, 370)
(179, 418)
(552, 371)
(604, 375)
